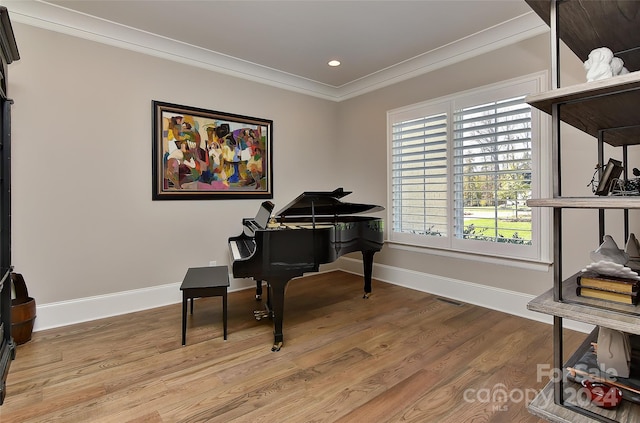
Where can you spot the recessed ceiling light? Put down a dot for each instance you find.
(334, 63)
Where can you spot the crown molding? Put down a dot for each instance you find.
(509, 32)
(62, 20)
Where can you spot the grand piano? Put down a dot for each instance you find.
(315, 228)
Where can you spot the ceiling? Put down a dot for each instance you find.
(289, 43)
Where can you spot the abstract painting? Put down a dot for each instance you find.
(202, 154)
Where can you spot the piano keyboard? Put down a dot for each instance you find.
(242, 248)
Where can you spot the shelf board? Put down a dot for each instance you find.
(581, 92)
(621, 317)
(584, 25)
(543, 406)
(614, 112)
(594, 202)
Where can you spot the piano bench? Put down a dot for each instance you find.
(200, 282)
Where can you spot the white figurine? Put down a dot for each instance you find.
(617, 67)
(633, 251)
(609, 251)
(633, 247)
(598, 65)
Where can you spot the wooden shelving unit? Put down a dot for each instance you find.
(606, 110)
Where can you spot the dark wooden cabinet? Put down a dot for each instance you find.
(9, 53)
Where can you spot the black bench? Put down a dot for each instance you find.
(202, 282)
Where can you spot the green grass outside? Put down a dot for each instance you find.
(506, 228)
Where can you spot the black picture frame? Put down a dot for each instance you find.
(200, 154)
(611, 172)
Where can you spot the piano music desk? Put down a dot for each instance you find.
(199, 282)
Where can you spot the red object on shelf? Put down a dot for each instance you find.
(603, 395)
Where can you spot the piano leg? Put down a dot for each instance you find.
(258, 290)
(276, 298)
(367, 261)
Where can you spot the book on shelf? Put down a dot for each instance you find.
(603, 294)
(609, 283)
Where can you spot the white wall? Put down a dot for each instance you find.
(83, 220)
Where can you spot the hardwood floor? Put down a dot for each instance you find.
(401, 355)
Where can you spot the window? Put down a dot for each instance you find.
(462, 168)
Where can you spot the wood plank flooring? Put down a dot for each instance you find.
(400, 356)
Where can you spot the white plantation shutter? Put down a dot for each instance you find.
(419, 175)
(461, 169)
(493, 164)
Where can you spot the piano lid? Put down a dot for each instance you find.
(324, 203)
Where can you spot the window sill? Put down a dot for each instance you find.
(541, 266)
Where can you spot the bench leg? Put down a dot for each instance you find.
(224, 313)
(184, 317)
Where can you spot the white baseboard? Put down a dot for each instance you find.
(65, 313)
(503, 300)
